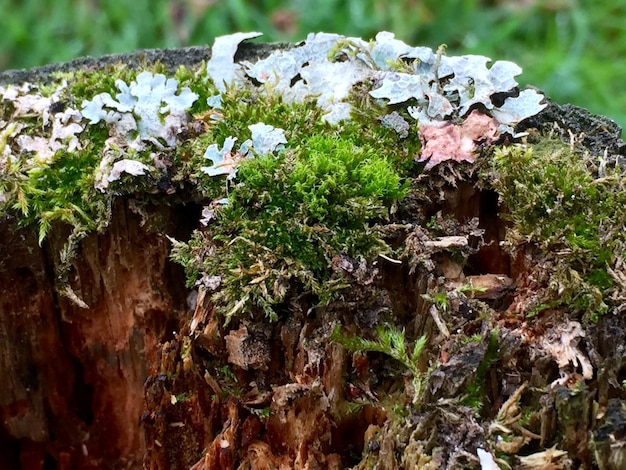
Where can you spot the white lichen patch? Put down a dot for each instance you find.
(221, 68)
(435, 88)
(131, 167)
(152, 105)
(34, 133)
(327, 80)
(150, 110)
(327, 66)
(63, 136)
(265, 140)
(224, 161)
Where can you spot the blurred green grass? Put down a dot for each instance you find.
(572, 50)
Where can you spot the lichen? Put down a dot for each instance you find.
(151, 106)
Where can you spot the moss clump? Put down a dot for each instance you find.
(289, 215)
(239, 109)
(85, 84)
(555, 200)
(476, 395)
(63, 191)
(242, 107)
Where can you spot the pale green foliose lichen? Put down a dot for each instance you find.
(152, 106)
(265, 140)
(441, 86)
(150, 109)
(221, 68)
(51, 133)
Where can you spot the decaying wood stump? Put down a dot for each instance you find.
(147, 373)
(75, 376)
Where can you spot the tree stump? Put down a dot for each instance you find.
(372, 294)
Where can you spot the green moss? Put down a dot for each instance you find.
(85, 84)
(366, 122)
(391, 341)
(240, 108)
(63, 191)
(289, 215)
(554, 200)
(475, 395)
(243, 107)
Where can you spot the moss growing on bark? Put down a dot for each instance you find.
(321, 197)
(571, 208)
(288, 216)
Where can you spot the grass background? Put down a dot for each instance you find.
(573, 50)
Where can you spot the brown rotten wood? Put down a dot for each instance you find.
(73, 378)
